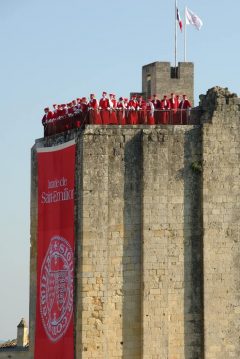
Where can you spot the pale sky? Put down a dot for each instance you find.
(53, 51)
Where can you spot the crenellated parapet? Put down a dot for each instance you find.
(217, 98)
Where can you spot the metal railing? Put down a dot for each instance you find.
(121, 117)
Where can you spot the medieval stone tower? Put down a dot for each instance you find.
(157, 230)
(160, 78)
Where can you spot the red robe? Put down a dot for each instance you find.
(55, 114)
(70, 114)
(104, 105)
(184, 104)
(157, 107)
(61, 112)
(114, 103)
(85, 117)
(150, 114)
(183, 115)
(164, 118)
(157, 104)
(121, 112)
(93, 104)
(70, 111)
(142, 115)
(77, 119)
(57, 122)
(48, 123)
(174, 103)
(112, 113)
(132, 117)
(94, 115)
(48, 116)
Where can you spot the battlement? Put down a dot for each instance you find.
(218, 96)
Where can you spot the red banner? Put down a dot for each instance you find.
(54, 336)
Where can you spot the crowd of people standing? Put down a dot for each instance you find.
(110, 111)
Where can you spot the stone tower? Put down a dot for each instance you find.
(17, 348)
(22, 333)
(157, 231)
(160, 78)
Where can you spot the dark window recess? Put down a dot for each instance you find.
(174, 73)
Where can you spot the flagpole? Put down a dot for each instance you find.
(185, 37)
(175, 34)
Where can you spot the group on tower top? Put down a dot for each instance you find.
(110, 111)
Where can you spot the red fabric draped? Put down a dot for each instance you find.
(55, 253)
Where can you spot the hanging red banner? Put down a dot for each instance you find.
(54, 333)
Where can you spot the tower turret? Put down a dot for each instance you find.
(22, 333)
(160, 78)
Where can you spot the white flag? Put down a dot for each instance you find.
(193, 19)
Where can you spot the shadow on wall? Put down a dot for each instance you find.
(132, 248)
(78, 250)
(193, 245)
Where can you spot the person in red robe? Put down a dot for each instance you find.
(70, 114)
(94, 115)
(47, 116)
(132, 108)
(112, 113)
(141, 111)
(70, 109)
(157, 108)
(47, 121)
(78, 113)
(104, 107)
(78, 105)
(54, 119)
(75, 113)
(174, 103)
(64, 117)
(74, 105)
(55, 108)
(164, 118)
(61, 111)
(113, 100)
(150, 112)
(121, 111)
(84, 110)
(184, 107)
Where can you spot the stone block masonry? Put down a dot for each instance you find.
(221, 223)
(172, 301)
(157, 237)
(162, 79)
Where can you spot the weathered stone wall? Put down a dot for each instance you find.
(172, 301)
(136, 248)
(157, 237)
(160, 78)
(109, 249)
(221, 223)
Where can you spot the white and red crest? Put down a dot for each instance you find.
(56, 288)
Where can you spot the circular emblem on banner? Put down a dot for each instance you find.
(56, 288)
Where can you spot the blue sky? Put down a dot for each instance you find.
(55, 50)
